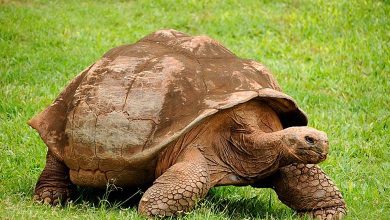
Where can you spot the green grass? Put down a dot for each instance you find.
(331, 56)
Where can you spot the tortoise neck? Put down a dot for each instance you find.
(277, 141)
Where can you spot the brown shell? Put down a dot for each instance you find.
(138, 98)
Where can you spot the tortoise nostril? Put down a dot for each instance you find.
(309, 140)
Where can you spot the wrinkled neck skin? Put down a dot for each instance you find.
(249, 157)
(235, 156)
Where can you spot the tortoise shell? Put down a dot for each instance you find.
(123, 110)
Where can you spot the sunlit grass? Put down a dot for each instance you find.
(331, 56)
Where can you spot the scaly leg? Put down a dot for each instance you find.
(54, 184)
(307, 189)
(177, 189)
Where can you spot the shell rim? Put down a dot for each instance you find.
(261, 94)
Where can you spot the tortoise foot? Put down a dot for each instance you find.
(330, 213)
(178, 189)
(53, 195)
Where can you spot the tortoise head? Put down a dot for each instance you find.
(304, 144)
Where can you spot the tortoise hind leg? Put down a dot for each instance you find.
(179, 188)
(307, 189)
(54, 185)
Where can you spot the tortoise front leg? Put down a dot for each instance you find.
(179, 188)
(307, 189)
(54, 184)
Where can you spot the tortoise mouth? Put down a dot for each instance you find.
(323, 156)
(311, 155)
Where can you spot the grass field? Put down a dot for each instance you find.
(331, 56)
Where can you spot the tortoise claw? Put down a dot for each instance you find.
(52, 196)
(330, 213)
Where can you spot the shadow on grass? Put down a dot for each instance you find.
(246, 208)
(111, 197)
(215, 202)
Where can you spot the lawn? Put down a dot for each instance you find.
(332, 56)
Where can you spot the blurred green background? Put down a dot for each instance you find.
(331, 56)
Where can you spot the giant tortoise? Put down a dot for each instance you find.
(177, 115)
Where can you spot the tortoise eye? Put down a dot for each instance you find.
(309, 140)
